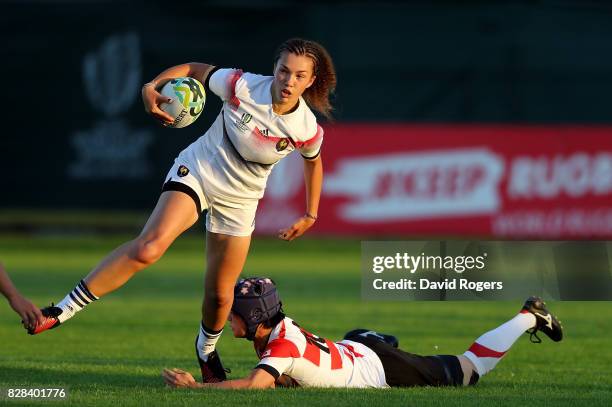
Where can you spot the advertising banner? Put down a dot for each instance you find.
(454, 180)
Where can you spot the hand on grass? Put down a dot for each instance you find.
(178, 378)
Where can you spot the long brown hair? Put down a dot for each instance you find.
(318, 94)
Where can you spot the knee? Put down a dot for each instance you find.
(148, 250)
(470, 373)
(218, 299)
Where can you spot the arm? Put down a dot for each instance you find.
(152, 98)
(29, 313)
(313, 178)
(258, 379)
(286, 381)
(6, 285)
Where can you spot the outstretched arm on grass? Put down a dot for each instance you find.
(258, 379)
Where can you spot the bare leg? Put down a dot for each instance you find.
(225, 258)
(467, 367)
(174, 213)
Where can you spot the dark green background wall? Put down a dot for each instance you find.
(508, 62)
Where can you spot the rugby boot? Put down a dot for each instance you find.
(51, 321)
(545, 321)
(366, 333)
(212, 370)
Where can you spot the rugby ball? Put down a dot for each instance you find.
(189, 98)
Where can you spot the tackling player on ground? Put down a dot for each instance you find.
(291, 356)
(263, 119)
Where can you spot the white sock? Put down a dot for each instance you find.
(491, 347)
(75, 301)
(207, 340)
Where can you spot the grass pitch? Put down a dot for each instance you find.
(113, 352)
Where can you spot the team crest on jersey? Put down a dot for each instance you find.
(182, 171)
(241, 123)
(282, 144)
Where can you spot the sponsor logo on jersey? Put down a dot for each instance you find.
(241, 123)
(182, 171)
(282, 144)
(263, 133)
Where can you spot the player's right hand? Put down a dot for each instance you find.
(151, 99)
(30, 314)
(178, 378)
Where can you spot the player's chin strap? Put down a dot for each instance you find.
(251, 333)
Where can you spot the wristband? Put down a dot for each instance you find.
(307, 215)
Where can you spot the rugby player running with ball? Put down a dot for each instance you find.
(263, 119)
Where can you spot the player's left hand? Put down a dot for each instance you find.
(297, 229)
(178, 378)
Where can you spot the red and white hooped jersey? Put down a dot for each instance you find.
(317, 362)
(238, 152)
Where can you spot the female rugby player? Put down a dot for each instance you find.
(291, 356)
(224, 172)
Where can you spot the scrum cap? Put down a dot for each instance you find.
(256, 300)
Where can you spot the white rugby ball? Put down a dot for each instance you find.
(189, 98)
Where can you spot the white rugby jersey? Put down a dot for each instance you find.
(238, 152)
(317, 362)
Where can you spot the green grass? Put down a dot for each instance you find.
(113, 352)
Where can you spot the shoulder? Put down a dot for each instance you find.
(285, 341)
(287, 329)
(224, 75)
(253, 82)
(253, 79)
(234, 77)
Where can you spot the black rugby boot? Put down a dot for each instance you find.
(545, 321)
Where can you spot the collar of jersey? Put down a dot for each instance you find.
(301, 102)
